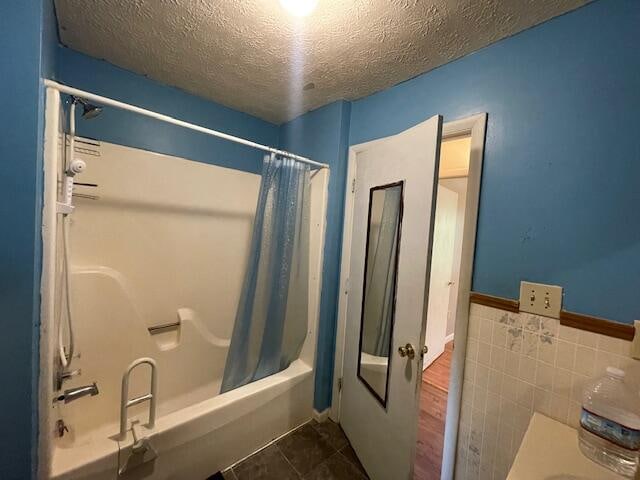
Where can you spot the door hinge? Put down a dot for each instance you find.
(340, 384)
(353, 186)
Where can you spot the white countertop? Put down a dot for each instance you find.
(550, 451)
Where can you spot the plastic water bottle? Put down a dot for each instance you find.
(610, 423)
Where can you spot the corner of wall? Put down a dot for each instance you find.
(331, 271)
(47, 70)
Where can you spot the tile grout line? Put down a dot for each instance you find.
(333, 452)
(357, 465)
(294, 468)
(337, 451)
(349, 462)
(286, 459)
(267, 445)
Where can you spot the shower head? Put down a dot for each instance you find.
(89, 110)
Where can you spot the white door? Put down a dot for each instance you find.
(392, 221)
(444, 237)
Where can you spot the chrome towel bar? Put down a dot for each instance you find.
(164, 326)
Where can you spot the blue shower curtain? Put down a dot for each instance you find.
(271, 320)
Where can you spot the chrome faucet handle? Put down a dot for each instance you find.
(61, 428)
(69, 357)
(70, 374)
(62, 376)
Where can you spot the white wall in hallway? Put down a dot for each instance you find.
(459, 185)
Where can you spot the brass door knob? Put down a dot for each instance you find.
(424, 351)
(407, 351)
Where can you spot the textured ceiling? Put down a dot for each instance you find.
(253, 56)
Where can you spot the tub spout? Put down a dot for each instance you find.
(79, 392)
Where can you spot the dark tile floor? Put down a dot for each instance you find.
(315, 451)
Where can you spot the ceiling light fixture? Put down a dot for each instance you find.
(299, 8)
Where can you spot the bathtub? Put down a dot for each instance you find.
(119, 293)
(197, 441)
(198, 431)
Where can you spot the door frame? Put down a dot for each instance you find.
(475, 126)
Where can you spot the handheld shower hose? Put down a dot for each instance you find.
(67, 357)
(71, 168)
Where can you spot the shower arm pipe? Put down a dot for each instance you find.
(166, 118)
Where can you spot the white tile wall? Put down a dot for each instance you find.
(518, 363)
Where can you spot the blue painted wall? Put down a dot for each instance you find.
(323, 136)
(124, 128)
(559, 183)
(561, 179)
(26, 34)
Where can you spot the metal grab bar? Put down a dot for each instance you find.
(164, 326)
(151, 397)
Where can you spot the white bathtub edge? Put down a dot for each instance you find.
(187, 425)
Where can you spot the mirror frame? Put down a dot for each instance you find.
(372, 190)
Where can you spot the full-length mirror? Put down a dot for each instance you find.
(379, 289)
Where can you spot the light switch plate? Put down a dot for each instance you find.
(541, 299)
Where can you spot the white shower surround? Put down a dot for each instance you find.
(121, 288)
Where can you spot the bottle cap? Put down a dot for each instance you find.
(615, 372)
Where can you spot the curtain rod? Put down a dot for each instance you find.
(166, 118)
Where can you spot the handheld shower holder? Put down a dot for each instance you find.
(66, 207)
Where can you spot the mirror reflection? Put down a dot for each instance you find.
(379, 289)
